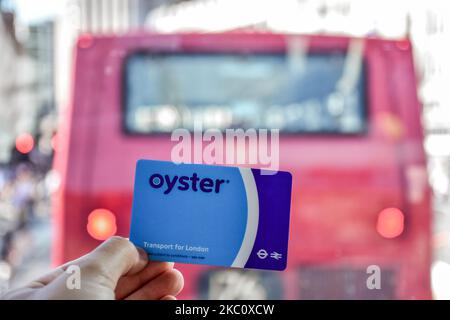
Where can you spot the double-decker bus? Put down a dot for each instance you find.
(350, 134)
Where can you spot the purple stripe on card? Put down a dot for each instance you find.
(271, 243)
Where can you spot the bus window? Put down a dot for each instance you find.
(315, 94)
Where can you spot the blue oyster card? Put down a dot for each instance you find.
(213, 215)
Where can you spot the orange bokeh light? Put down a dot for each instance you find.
(101, 224)
(391, 223)
(24, 143)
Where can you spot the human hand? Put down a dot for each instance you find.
(114, 270)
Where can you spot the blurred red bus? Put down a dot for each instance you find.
(350, 134)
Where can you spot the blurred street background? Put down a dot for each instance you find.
(37, 39)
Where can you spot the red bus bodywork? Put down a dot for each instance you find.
(341, 183)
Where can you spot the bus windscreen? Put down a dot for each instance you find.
(309, 93)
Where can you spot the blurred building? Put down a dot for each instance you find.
(97, 17)
(17, 103)
(430, 34)
(360, 18)
(40, 46)
(106, 16)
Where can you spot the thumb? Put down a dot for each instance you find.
(113, 259)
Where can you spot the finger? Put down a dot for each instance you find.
(52, 275)
(115, 245)
(46, 279)
(19, 294)
(168, 297)
(131, 283)
(168, 283)
(141, 264)
(113, 259)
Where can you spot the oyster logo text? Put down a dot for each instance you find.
(184, 183)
